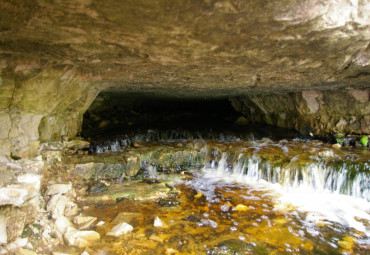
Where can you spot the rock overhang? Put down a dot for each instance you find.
(190, 47)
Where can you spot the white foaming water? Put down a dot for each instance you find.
(309, 193)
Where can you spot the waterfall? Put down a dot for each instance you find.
(310, 177)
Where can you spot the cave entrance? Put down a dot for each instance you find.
(115, 113)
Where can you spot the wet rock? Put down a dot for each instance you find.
(133, 165)
(120, 229)
(336, 146)
(170, 251)
(81, 238)
(241, 208)
(192, 218)
(225, 208)
(84, 222)
(97, 187)
(168, 202)
(58, 189)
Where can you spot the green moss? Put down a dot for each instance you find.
(364, 141)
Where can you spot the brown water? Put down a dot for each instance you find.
(226, 219)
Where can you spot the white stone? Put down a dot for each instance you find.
(58, 189)
(81, 238)
(13, 195)
(120, 229)
(3, 234)
(158, 223)
(62, 224)
(21, 242)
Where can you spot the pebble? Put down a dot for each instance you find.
(336, 146)
(158, 223)
(241, 208)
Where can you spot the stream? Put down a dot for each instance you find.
(225, 195)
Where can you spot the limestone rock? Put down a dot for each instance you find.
(81, 238)
(120, 229)
(58, 189)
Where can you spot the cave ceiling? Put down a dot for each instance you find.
(191, 47)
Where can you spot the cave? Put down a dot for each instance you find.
(115, 113)
(184, 127)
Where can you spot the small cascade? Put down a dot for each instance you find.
(116, 144)
(320, 176)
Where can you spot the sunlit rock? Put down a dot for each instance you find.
(171, 251)
(158, 223)
(63, 225)
(84, 222)
(81, 238)
(241, 208)
(120, 229)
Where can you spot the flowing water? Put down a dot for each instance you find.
(238, 196)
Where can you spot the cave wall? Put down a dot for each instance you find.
(39, 107)
(310, 112)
